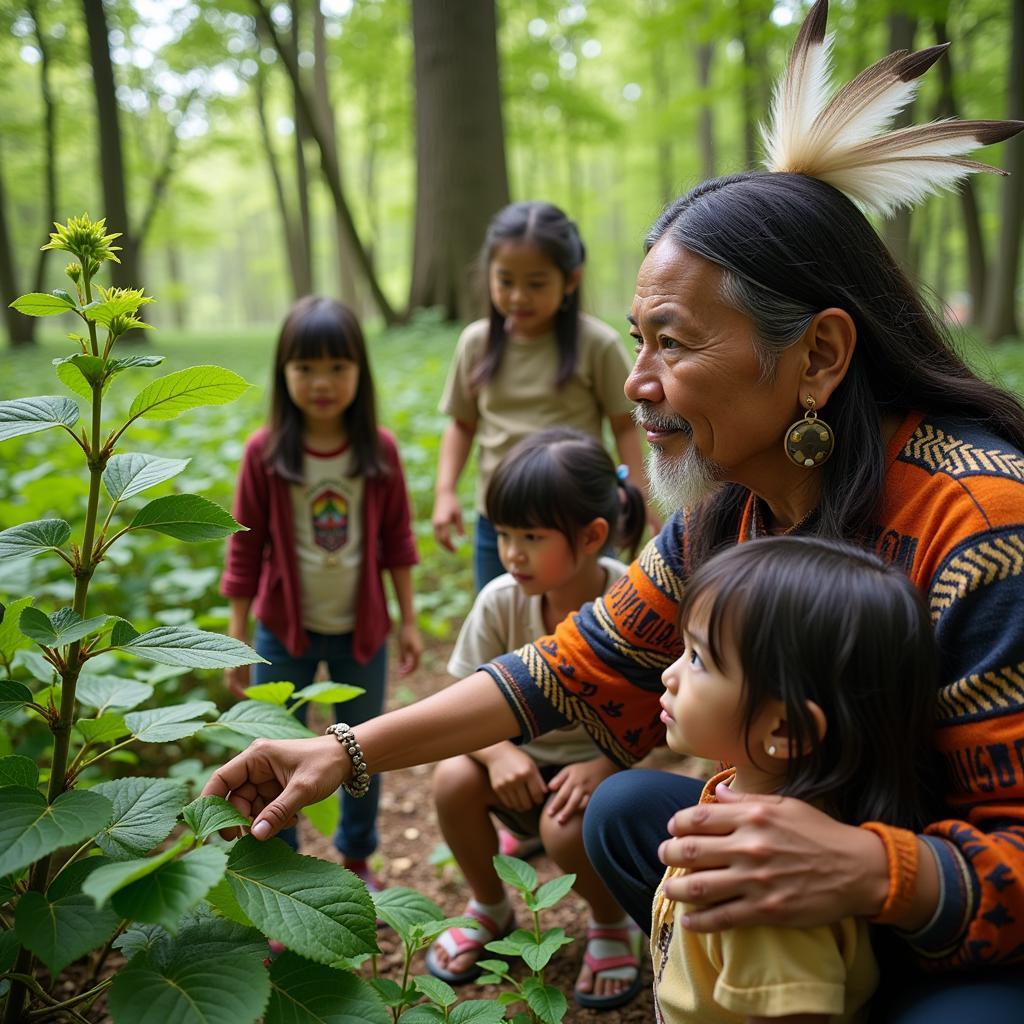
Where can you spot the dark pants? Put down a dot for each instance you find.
(623, 847)
(357, 830)
(486, 563)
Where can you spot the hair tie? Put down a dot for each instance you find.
(622, 473)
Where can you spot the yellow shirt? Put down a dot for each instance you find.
(724, 977)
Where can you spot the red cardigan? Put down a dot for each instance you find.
(261, 562)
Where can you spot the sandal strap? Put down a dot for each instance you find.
(488, 922)
(623, 934)
(597, 964)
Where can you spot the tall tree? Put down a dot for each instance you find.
(111, 159)
(1000, 307)
(902, 29)
(461, 175)
(304, 271)
(18, 329)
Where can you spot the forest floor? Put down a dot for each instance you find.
(409, 833)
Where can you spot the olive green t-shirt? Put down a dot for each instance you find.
(522, 398)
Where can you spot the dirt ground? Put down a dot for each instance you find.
(409, 833)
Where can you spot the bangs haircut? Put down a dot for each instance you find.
(562, 479)
(825, 621)
(321, 328)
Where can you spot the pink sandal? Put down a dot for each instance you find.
(455, 942)
(631, 939)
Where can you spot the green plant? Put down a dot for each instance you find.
(535, 947)
(126, 863)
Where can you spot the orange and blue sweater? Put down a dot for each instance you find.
(952, 515)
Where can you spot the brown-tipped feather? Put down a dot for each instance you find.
(990, 132)
(917, 63)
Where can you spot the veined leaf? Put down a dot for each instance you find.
(16, 770)
(317, 909)
(256, 719)
(162, 725)
(163, 896)
(127, 362)
(107, 692)
(222, 899)
(28, 415)
(105, 729)
(101, 885)
(79, 371)
(13, 697)
(64, 626)
(30, 828)
(12, 639)
(270, 693)
(329, 693)
(551, 892)
(546, 1001)
(145, 812)
(43, 304)
(33, 538)
(123, 633)
(131, 473)
(403, 908)
(477, 1011)
(191, 648)
(209, 814)
(185, 516)
(59, 931)
(515, 872)
(170, 396)
(307, 993)
(437, 991)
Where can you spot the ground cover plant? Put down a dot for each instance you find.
(95, 856)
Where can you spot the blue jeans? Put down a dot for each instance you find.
(486, 563)
(623, 847)
(356, 836)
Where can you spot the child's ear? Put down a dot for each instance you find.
(777, 741)
(594, 536)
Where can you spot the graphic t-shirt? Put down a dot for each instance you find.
(328, 516)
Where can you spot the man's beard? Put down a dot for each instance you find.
(677, 481)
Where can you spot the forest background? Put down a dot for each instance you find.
(250, 152)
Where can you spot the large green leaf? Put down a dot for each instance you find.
(108, 879)
(30, 828)
(327, 692)
(437, 991)
(256, 719)
(537, 955)
(131, 473)
(315, 908)
(222, 899)
(170, 396)
(106, 692)
(43, 303)
(145, 812)
(185, 517)
(270, 693)
(79, 371)
(308, 993)
(163, 725)
(192, 648)
(12, 639)
(16, 770)
(551, 892)
(59, 931)
(64, 626)
(477, 1011)
(209, 814)
(191, 982)
(13, 697)
(27, 415)
(105, 729)
(546, 1001)
(324, 814)
(164, 895)
(127, 362)
(515, 872)
(33, 538)
(402, 908)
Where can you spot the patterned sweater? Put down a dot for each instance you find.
(952, 515)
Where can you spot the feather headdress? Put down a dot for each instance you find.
(842, 139)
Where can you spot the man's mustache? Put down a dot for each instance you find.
(645, 415)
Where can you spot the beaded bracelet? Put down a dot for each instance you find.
(359, 781)
(901, 853)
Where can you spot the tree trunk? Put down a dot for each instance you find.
(328, 164)
(1000, 307)
(19, 328)
(902, 28)
(706, 122)
(304, 272)
(115, 197)
(179, 316)
(663, 149)
(746, 76)
(976, 258)
(322, 98)
(287, 224)
(461, 175)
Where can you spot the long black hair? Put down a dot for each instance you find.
(551, 230)
(823, 620)
(562, 479)
(790, 246)
(319, 327)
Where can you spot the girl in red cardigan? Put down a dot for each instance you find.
(322, 493)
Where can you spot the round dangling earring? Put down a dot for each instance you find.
(772, 750)
(809, 442)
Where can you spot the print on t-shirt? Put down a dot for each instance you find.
(329, 509)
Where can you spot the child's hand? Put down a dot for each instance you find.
(236, 680)
(447, 516)
(410, 647)
(573, 785)
(516, 779)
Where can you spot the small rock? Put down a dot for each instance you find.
(411, 834)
